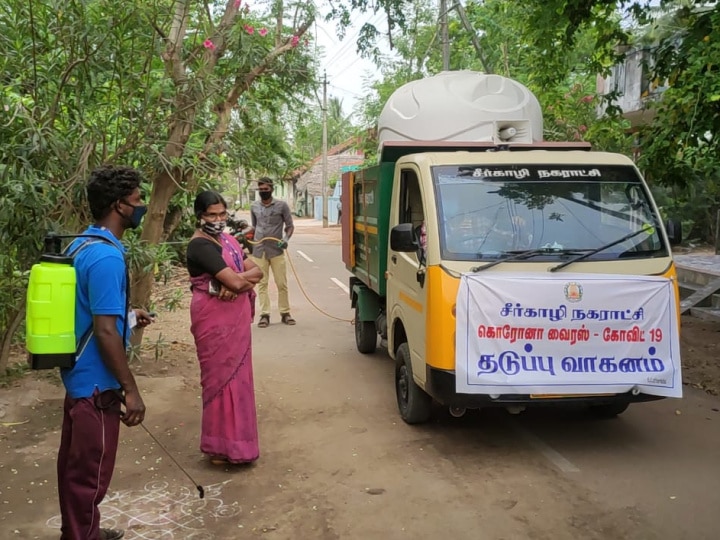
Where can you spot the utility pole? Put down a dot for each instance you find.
(444, 37)
(324, 154)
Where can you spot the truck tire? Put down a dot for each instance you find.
(365, 334)
(414, 404)
(610, 410)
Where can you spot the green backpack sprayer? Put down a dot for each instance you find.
(50, 317)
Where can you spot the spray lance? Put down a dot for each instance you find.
(201, 490)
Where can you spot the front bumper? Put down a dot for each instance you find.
(440, 384)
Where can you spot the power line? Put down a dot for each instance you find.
(347, 67)
(351, 40)
(353, 92)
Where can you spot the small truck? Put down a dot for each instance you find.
(501, 270)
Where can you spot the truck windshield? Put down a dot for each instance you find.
(488, 212)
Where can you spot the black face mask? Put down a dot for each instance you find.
(266, 195)
(138, 213)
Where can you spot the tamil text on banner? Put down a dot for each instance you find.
(567, 334)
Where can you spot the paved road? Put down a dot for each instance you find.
(338, 463)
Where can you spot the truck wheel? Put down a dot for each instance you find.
(610, 410)
(414, 404)
(365, 334)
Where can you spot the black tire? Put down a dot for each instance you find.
(414, 404)
(609, 410)
(365, 334)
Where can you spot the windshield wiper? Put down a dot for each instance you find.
(647, 229)
(526, 254)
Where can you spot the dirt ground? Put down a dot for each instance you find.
(295, 492)
(700, 353)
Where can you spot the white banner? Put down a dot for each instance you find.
(566, 334)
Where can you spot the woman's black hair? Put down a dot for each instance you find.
(205, 200)
(107, 185)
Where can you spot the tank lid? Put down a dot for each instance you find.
(56, 258)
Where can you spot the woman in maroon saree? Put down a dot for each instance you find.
(221, 313)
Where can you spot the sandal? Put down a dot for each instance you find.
(264, 321)
(111, 534)
(286, 318)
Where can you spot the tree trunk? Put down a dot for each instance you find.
(172, 220)
(8, 337)
(163, 189)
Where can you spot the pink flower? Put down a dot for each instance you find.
(586, 99)
(582, 128)
(294, 41)
(263, 32)
(249, 29)
(237, 3)
(209, 45)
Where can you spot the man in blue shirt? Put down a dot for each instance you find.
(101, 378)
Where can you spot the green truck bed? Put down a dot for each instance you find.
(366, 194)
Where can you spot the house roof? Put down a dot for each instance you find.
(339, 148)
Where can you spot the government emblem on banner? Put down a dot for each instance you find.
(573, 291)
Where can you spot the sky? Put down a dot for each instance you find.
(346, 71)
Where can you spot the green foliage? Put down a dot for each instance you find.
(395, 19)
(85, 83)
(681, 147)
(570, 114)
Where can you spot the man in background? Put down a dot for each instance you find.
(273, 226)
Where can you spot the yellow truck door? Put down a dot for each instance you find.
(406, 271)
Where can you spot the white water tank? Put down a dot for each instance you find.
(462, 106)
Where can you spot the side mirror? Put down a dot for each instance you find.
(674, 232)
(402, 238)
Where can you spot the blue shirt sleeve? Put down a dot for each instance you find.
(106, 283)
